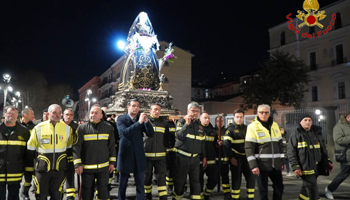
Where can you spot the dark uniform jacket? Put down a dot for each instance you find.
(264, 146)
(74, 127)
(189, 138)
(50, 146)
(220, 150)
(210, 143)
(234, 140)
(170, 138)
(95, 147)
(30, 125)
(132, 156)
(306, 149)
(13, 149)
(155, 146)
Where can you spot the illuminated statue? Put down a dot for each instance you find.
(141, 59)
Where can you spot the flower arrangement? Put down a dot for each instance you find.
(168, 55)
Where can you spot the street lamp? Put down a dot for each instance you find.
(88, 98)
(7, 79)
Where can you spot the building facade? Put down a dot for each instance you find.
(92, 85)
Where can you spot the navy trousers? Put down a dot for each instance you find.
(123, 183)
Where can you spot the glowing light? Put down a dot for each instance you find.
(121, 45)
(317, 112)
(10, 88)
(93, 99)
(321, 116)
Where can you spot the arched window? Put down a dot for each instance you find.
(283, 38)
(338, 21)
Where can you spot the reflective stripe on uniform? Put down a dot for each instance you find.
(77, 161)
(96, 166)
(90, 137)
(234, 150)
(171, 129)
(302, 144)
(210, 138)
(159, 129)
(112, 159)
(277, 155)
(249, 158)
(223, 159)
(13, 142)
(195, 137)
(156, 154)
(185, 153)
(210, 162)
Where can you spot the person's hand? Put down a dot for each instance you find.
(205, 164)
(256, 171)
(111, 168)
(142, 118)
(234, 161)
(283, 167)
(188, 119)
(330, 166)
(79, 170)
(220, 143)
(297, 172)
(145, 118)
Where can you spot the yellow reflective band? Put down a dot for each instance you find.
(250, 196)
(148, 186)
(164, 193)
(76, 161)
(210, 138)
(26, 184)
(177, 197)
(159, 129)
(169, 183)
(70, 194)
(303, 197)
(238, 141)
(171, 149)
(178, 128)
(226, 191)
(171, 129)
(234, 150)
(186, 154)
(59, 160)
(235, 191)
(195, 137)
(10, 179)
(161, 188)
(13, 142)
(207, 190)
(302, 144)
(148, 190)
(29, 169)
(40, 157)
(90, 137)
(196, 197)
(228, 138)
(70, 190)
(96, 166)
(112, 159)
(308, 172)
(36, 183)
(223, 159)
(206, 194)
(250, 190)
(156, 154)
(235, 196)
(225, 185)
(317, 146)
(168, 179)
(210, 162)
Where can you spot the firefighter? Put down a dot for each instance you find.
(13, 148)
(189, 144)
(27, 121)
(210, 148)
(156, 153)
(234, 148)
(170, 143)
(94, 154)
(50, 144)
(225, 182)
(68, 116)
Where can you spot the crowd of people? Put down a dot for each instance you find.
(46, 154)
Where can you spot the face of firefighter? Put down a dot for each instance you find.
(239, 118)
(264, 114)
(155, 111)
(11, 117)
(218, 120)
(205, 120)
(133, 108)
(29, 116)
(68, 116)
(46, 116)
(193, 112)
(95, 114)
(55, 114)
(306, 123)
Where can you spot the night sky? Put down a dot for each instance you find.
(72, 41)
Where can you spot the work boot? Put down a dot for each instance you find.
(148, 196)
(227, 196)
(206, 197)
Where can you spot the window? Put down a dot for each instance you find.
(283, 38)
(341, 90)
(314, 93)
(311, 30)
(313, 61)
(206, 93)
(337, 23)
(339, 54)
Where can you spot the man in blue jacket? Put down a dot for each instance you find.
(131, 158)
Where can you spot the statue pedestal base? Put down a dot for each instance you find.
(146, 99)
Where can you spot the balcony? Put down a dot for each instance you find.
(339, 61)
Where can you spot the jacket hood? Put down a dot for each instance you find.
(342, 120)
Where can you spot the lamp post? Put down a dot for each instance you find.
(7, 79)
(88, 98)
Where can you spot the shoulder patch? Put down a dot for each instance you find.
(227, 132)
(236, 131)
(20, 137)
